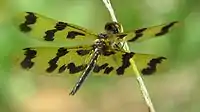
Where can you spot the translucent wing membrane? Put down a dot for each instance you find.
(74, 61)
(46, 29)
(143, 34)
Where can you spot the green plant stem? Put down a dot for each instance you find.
(140, 81)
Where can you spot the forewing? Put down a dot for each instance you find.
(143, 34)
(45, 60)
(49, 30)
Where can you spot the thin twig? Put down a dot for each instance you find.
(110, 9)
(139, 78)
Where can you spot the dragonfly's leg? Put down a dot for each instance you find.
(87, 71)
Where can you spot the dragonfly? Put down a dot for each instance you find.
(83, 52)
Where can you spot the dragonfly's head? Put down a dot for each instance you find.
(113, 28)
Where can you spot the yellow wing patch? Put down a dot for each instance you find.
(46, 29)
(143, 34)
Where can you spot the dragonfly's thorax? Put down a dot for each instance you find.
(102, 46)
(111, 29)
(107, 41)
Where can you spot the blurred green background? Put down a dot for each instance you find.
(175, 90)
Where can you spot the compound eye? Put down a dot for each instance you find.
(113, 27)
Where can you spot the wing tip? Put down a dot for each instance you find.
(152, 65)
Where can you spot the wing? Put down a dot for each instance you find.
(118, 63)
(143, 34)
(149, 64)
(46, 29)
(45, 60)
